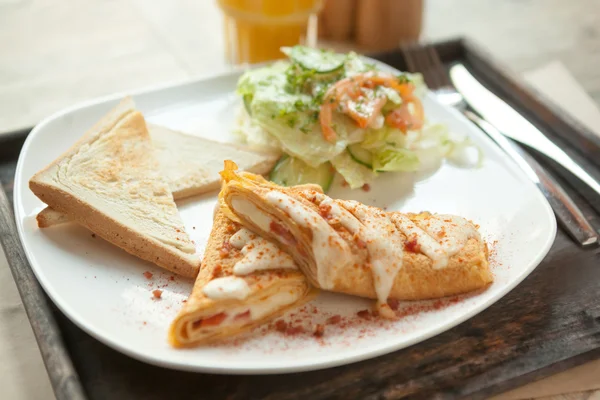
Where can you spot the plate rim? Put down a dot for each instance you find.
(273, 369)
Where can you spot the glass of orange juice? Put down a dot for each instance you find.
(255, 30)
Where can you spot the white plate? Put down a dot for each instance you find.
(102, 289)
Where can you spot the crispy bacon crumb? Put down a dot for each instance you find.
(157, 293)
(217, 271)
(334, 320)
(148, 275)
(366, 187)
(225, 249)
(281, 326)
(325, 210)
(364, 314)
(319, 330)
(412, 245)
(172, 278)
(393, 303)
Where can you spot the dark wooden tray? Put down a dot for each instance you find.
(549, 323)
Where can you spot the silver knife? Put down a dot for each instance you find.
(567, 212)
(512, 124)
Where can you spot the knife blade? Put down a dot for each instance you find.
(512, 124)
(567, 212)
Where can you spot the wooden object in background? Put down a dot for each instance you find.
(384, 24)
(337, 19)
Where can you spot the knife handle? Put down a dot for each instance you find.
(568, 214)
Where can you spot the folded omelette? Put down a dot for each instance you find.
(348, 247)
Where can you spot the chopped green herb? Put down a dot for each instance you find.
(292, 121)
(402, 78)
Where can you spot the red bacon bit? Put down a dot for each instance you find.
(157, 293)
(393, 303)
(148, 275)
(281, 326)
(282, 232)
(366, 187)
(325, 210)
(412, 245)
(172, 278)
(225, 249)
(334, 320)
(364, 314)
(242, 316)
(217, 271)
(319, 330)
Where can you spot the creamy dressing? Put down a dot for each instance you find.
(427, 244)
(259, 254)
(452, 232)
(241, 237)
(329, 249)
(228, 287)
(379, 235)
(439, 237)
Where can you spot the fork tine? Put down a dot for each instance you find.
(425, 60)
(438, 67)
(417, 60)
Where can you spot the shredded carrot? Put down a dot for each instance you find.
(349, 89)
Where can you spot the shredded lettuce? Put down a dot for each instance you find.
(355, 174)
(282, 104)
(390, 158)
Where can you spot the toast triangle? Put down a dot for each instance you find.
(110, 182)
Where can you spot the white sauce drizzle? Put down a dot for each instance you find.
(439, 236)
(228, 287)
(428, 245)
(259, 254)
(330, 250)
(452, 231)
(381, 239)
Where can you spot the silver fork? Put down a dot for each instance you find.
(424, 59)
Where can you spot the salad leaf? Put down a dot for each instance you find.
(354, 173)
(390, 158)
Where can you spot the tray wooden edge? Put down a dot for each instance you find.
(63, 377)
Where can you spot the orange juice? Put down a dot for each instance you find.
(255, 30)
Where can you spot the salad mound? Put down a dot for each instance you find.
(333, 112)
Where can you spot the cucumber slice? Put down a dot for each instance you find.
(247, 102)
(360, 155)
(290, 171)
(320, 61)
